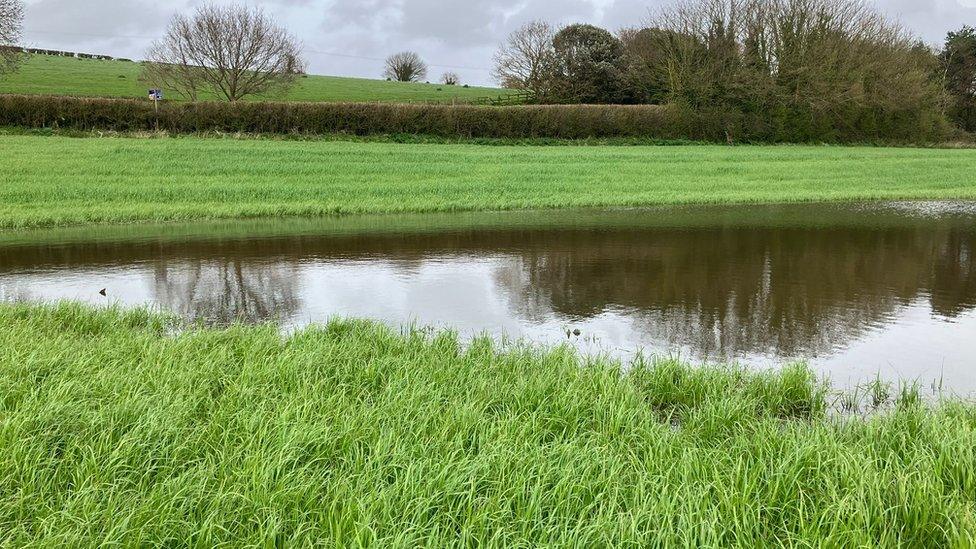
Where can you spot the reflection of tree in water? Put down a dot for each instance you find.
(526, 300)
(792, 291)
(954, 277)
(743, 288)
(224, 290)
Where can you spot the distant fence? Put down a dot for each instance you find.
(504, 100)
(61, 53)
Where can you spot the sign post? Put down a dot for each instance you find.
(156, 95)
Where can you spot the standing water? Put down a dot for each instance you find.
(857, 291)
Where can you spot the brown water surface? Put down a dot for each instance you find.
(855, 290)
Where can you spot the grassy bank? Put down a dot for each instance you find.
(114, 431)
(47, 181)
(53, 75)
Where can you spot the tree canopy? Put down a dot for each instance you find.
(11, 24)
(959, 62)
(229, 51)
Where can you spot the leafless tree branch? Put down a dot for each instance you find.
(405, 66)
(525, 60)
(451, 79)
(230, 51)
(11, 25)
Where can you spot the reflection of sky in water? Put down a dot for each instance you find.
(855, 301)
(464, 294)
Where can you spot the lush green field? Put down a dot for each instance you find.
(46, 74)
(47, 181)
(116, 432)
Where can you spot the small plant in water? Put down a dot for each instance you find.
(850, 402)
(909, 396)
(880, 392)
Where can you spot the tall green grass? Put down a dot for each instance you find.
(53, 75)
(46, 181)
(115, 430)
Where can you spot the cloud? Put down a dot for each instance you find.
(456, 34)
(96, 27)
(932, 19)
(98, 17)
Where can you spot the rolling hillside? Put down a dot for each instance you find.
(47, 74)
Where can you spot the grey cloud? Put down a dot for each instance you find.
(457, 24)
(555, 11)
(627, 13)
(932, 19)
(457, 33)
(98, 17)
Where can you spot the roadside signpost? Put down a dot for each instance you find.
(156, 95)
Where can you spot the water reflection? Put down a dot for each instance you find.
(221, 292)
(844, 287)
(795, 292)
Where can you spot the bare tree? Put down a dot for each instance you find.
(172, 69)
(230, 51)
(406, 66)
(524, 61)
(451, 79)
(223, 290)
(11, 21)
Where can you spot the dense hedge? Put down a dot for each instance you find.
(352, 118)
(557, 121)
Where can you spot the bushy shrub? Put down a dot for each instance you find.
(958, 67)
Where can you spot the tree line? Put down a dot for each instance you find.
(409, 66)
(233, 52)
(804, 68)
(811, 64)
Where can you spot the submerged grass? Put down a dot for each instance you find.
(113, 430)
(50, 181)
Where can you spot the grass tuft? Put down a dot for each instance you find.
(113, 430)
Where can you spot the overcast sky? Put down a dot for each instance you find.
(351, 37)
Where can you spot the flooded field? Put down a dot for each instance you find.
(855, 290)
